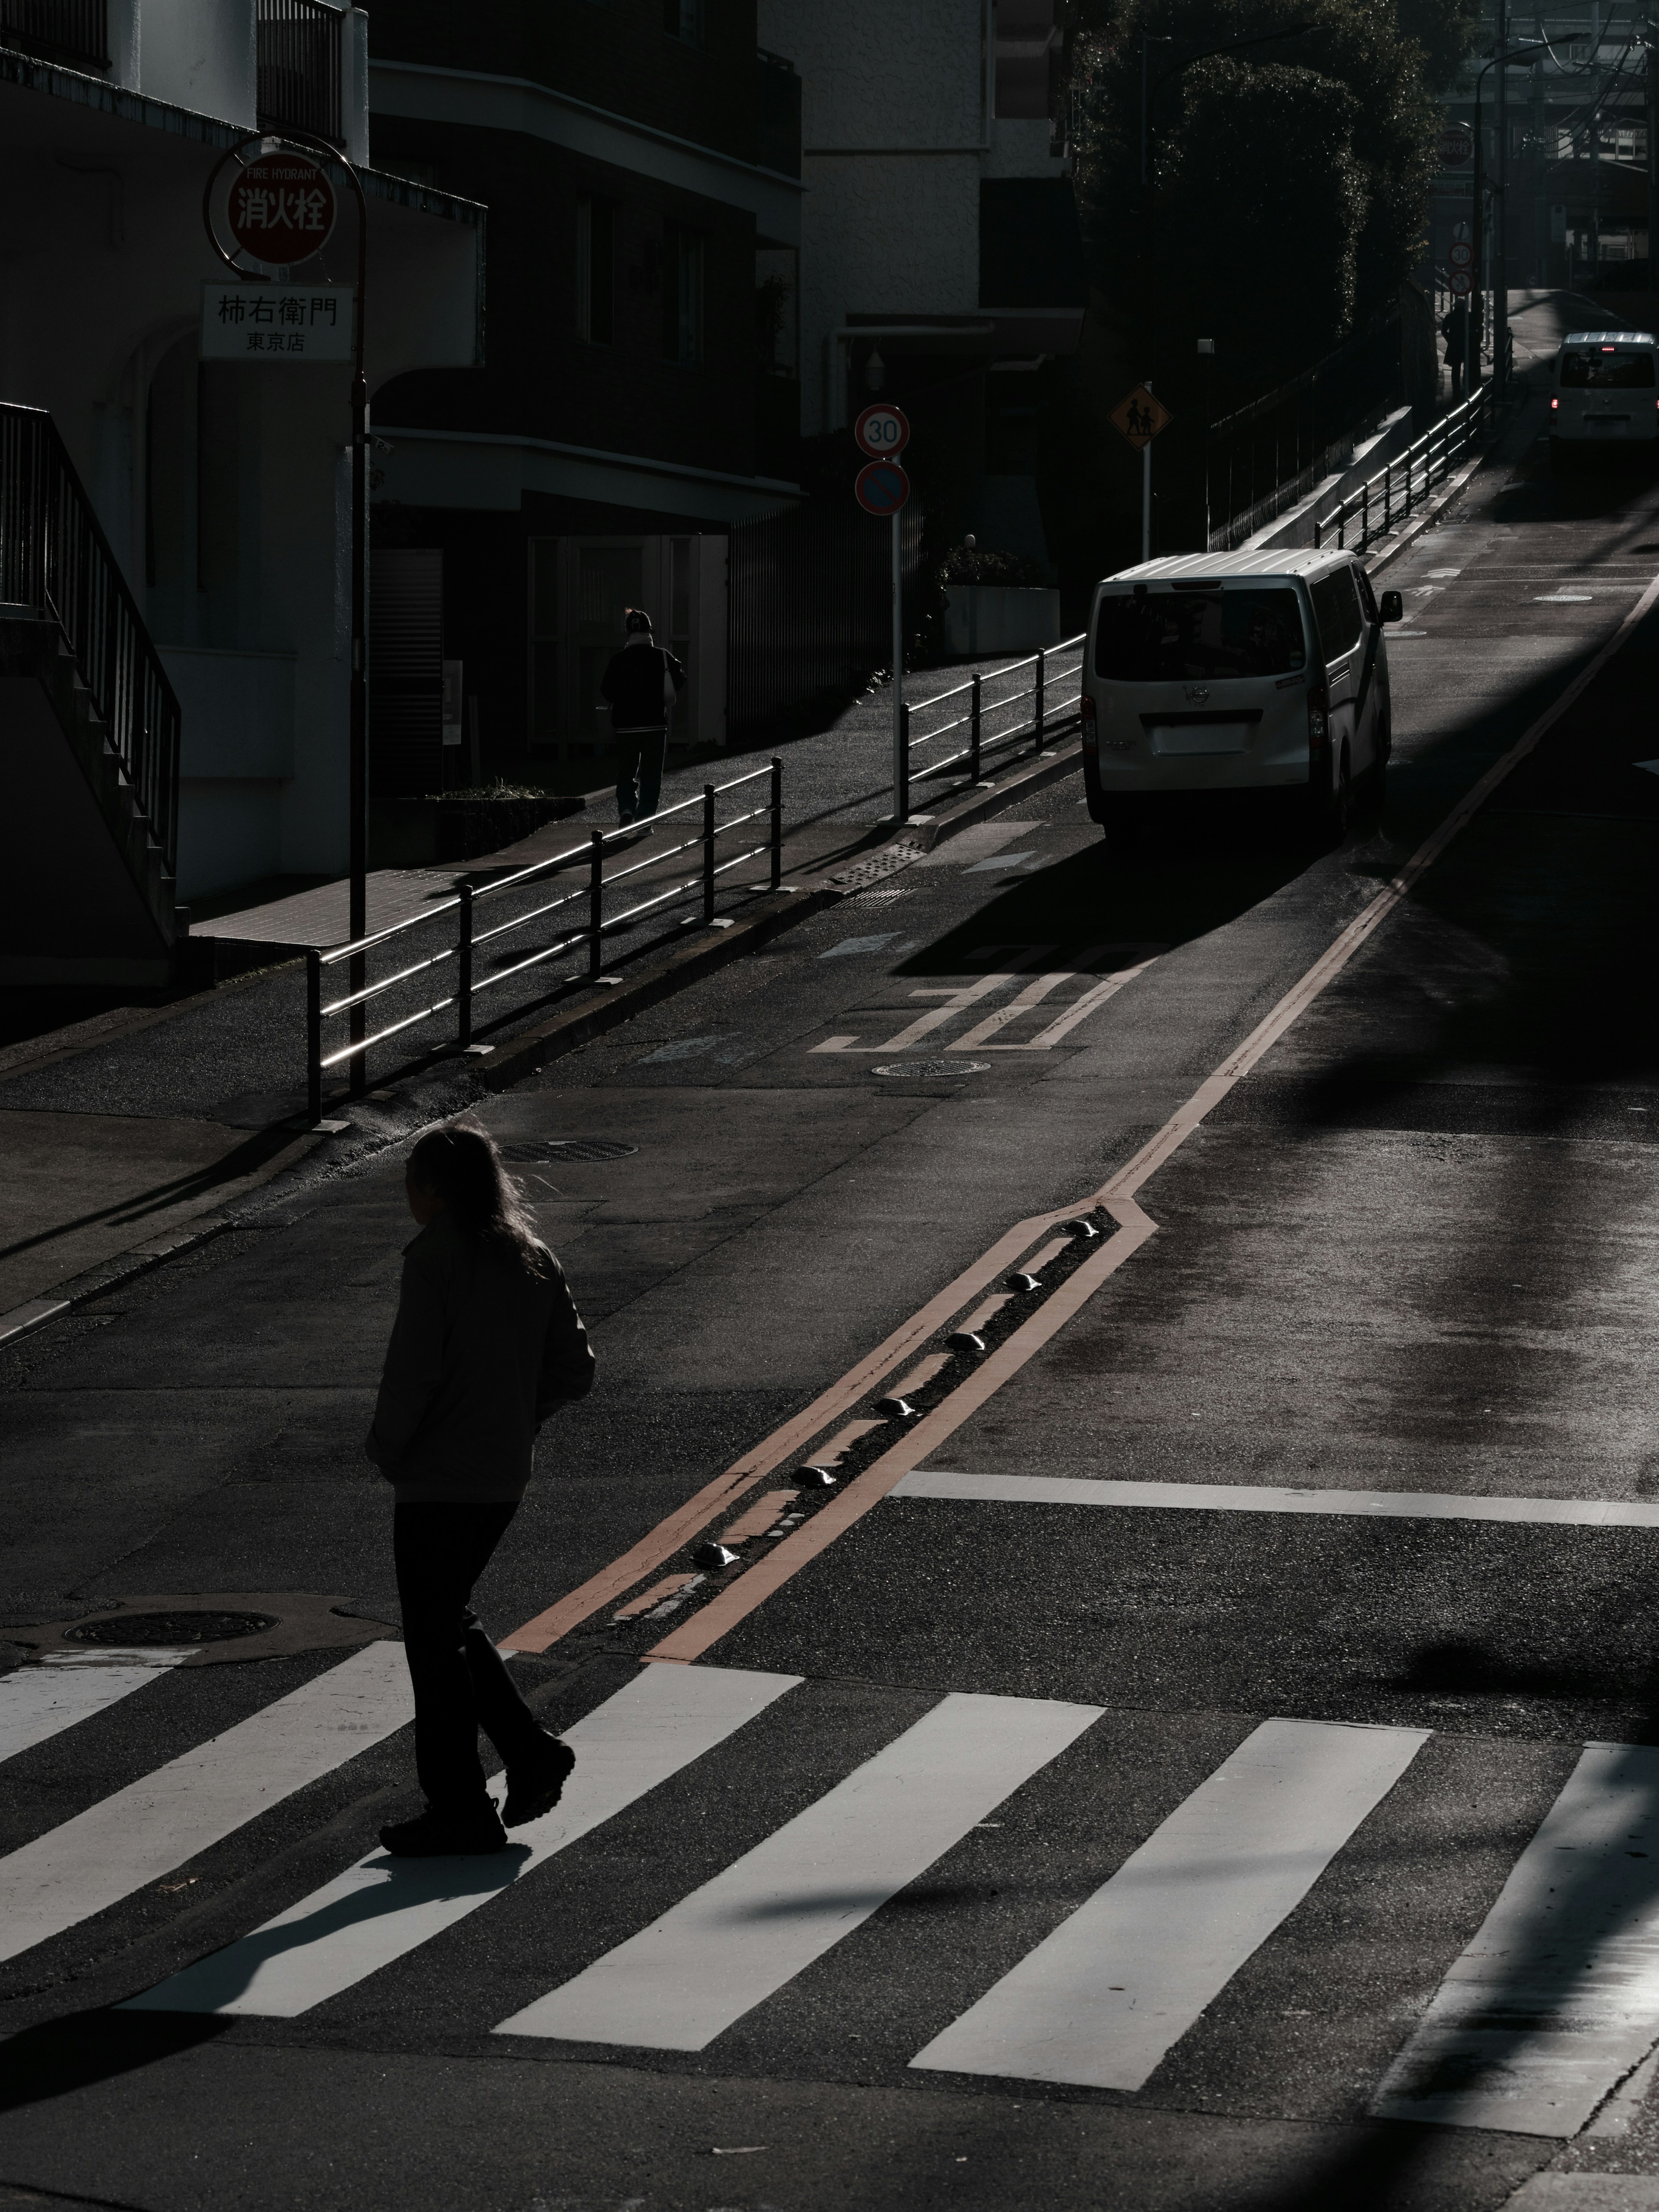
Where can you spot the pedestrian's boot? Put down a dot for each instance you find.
(534, 1784)
(434, 1835)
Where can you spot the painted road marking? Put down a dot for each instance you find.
(724, 1950)
(1117, 1197)
(764, 1511)
(853, 944)
(922, 1374)
(38, 1699)
(956, 996)
(383, 1907)
(1080, 1009)
(658, 1544)
(1103, 1999)
(1251, 1498)
(670, 1586)
(146, 1830)
(1557, 1998)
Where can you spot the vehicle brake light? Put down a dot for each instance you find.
(1090, 728)
(1554, 404)
(1318, 727)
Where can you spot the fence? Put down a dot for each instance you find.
(1388, 497)
(598, 920)
(55, 557)
(1265, 456)
(988, 704)
(62, 30)
(809, 612)
(297, 60)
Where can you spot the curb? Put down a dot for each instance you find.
(989, 798)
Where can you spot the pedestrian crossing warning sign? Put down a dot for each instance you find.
(1139, 417)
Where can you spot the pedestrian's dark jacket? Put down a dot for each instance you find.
(481, 1351)
(1456, 327)
(633, 683)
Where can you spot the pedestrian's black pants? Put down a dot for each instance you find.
(460, 1682)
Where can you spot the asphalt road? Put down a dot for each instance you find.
(1227, 1840)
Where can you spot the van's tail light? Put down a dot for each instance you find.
(1554, 404)
(1319, 708)
(1090, 727)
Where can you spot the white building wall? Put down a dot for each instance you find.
(198, 55)
(898, 130)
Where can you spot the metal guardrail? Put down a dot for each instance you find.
(596, 923)
(984, 744)
(298, 67)
(1388, 497)
(55, 557)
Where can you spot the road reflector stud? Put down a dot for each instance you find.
(714, 1555)
(964, 1339)
(896, 1409)
(1022, 1282)
(815, 1478)
(1087, 1231)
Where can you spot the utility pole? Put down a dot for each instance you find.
(1500, 282)
(1652, 43)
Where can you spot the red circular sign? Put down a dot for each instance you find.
(881, 487)
(883, 432)
(281, 210)
(1460, 283)
(1461, 253)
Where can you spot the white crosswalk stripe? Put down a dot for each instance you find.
(1553, 2005)
(679, 1983)
(382, 1907)
(1557, 1996)
(51, 1694)
(1115, 1986)
(146, 1830)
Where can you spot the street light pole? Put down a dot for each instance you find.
(1498, 61)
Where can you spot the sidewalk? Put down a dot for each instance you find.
(131, 1134)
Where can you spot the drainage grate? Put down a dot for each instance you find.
(126, 1628)
(931, 1067)
(549, 1151)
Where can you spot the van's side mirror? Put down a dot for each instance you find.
(1391, 607)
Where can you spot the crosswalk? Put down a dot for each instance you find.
(1550, 2005)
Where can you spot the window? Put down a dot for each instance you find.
(594, 267)
(683, 19)
(682, 295)
(1336, 611)
(1605, 369)
(1212, 633)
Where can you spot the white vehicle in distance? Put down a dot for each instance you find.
(1605, 392)
(1236, 674)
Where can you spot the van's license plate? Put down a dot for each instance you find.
(1200, 738)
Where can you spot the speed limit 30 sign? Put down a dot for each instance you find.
(883, 432)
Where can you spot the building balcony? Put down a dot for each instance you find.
(301, 65)
(73, 32)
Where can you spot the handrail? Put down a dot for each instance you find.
(1041, 725)
(598, 926)
(1422, 466)
(54, 555)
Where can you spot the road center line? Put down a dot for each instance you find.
(1116, 1197)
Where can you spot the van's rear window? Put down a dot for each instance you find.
(1595, 371)
(1170, 634)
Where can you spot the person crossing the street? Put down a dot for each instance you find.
(486, 1343)
(642, 683)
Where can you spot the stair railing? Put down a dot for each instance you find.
(55, 558)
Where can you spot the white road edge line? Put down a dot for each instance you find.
(1170, 1929)
(726, 1948)
(1252, 1497)
(381, 1908)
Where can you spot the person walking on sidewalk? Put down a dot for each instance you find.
(642, 683)
(1456, 326)
(487, 1343)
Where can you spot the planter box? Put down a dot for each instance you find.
(416, 833)
(986, 618)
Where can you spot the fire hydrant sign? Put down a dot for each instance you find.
(277, 322)
(281, 210)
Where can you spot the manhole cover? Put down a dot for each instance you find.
(551, 1150)
(169, 1627)
(933, 1068)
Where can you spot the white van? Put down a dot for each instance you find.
(1236, 672)
(1605, 392)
